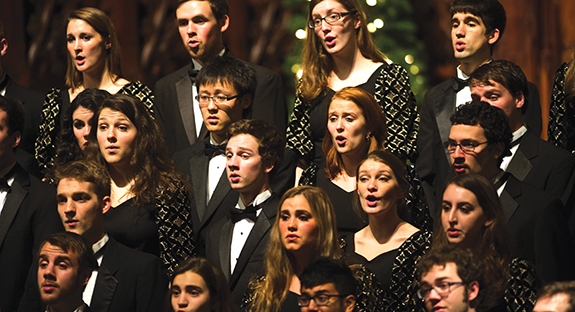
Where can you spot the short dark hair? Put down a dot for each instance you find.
(326, 270)
(219, 8)
(556, 288)
(86, 171)
(469, 268)
(490, 11)
(226, 70)
(15, 114)
(270, 140)
(492, 119)
(69, 241)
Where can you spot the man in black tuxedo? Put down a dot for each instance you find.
(201, 24)
(238, 242)
(65, 265)
(477, 25)
(32, 102)
(533, 160)
(27, 209)
(127, 279)
(479, 139)
(226, 87)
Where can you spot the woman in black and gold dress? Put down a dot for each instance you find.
(93, 62)
(304, 230)
(150, 206)
(561, 130)
(471, 217)
(339, 52)
(388, 246)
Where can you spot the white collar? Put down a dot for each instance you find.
(262, 197)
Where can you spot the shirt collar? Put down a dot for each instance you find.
(198, 66)
(519, 133)
(262, 197)
(100, 244)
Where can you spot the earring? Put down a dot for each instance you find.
(368, 137)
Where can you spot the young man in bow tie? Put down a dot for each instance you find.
(238, 242)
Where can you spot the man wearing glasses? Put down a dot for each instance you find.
(479, 139)
(451, 280)
(327, 285)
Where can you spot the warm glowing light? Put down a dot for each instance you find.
(409, 59)
(371, 2)
(299, 73)
(300, 34)
(371, 27)
(295, 68)
(378, 22)
(414, 69)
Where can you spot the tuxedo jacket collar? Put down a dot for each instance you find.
(106, 283)
(520, 165)
(18, 192)
(185, 104)
(509, 196)
(444, 108)
(262, 226)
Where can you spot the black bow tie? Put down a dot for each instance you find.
(193, 73)
(214, 150)
(459, 84)
(248, 213)
(4, 184)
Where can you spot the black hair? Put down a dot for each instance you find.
(490, 11)
(15, 114)
(326, 270)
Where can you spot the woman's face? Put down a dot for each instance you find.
(347, 127)
(377, 187)
(81, 118)
(116, 137)
(338, 36)
(461, 216)
(190, 293)
(86, 46)
(298, 226)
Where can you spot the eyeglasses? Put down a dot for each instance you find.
(330, 19)
(204, 100)
(443, 289)
(466, 146)
(320, 300)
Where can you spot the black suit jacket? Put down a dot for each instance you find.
(538, 230)
(544, 166)
(433, 164)
(173, 99)
(29, 215)
(32, 102)
(192, 163)
(127, 280)
(218, 244)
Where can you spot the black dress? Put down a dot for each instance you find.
(561, 130)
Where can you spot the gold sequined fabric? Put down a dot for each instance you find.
(561, 130)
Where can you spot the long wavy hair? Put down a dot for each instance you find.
(270, 291)
(102, 24)
(494, 248)
(220, 297)
(317, 63)
(153, 168)
(376, 126)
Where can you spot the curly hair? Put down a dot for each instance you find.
(271, 290)
(103, 25)
(151, 164)
(270, 140)
(317, 63)
(492, 119)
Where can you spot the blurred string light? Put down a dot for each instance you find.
(378, 22)
(414, 69)
(300, 34)
(371, 27)
(409, 59)
(371, 2)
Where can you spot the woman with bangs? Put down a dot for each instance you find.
(339, 52)
(304, 230)
(472, 217)
(93, 62)
(150, 208)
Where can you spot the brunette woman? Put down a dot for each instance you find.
(339, 52)
(150, 206)
(471, 217)
(93, 62)
(304, 230)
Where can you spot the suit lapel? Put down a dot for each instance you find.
(510, 193)
(14, 199)
(520, 166)
(444, 108)
(225, 247)
(219, 194)
(186, 105)
(261, 228)
(106, 283)
(198, 173)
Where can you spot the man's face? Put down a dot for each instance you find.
(218, 118)
(482, 160)
(59, 279)
(456, 299)
(80, 208)
(7, 141)
(244, 165)
(497, 95)
(469, 38)
(334, 304)
(201, 33)
(556, 303)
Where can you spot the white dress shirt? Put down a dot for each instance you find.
(216, 168)
(516, 136)
(89, 290)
